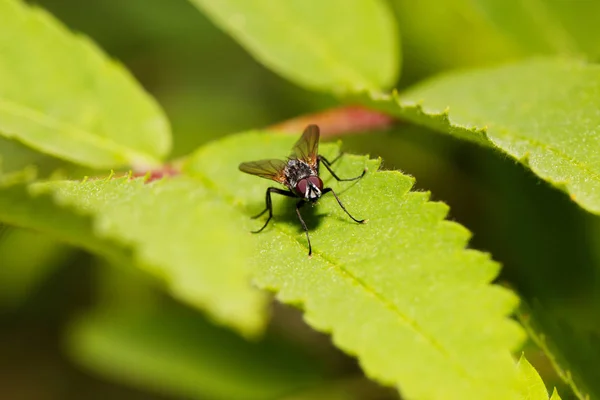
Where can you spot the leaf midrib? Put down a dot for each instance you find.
(120, 152)
(344, 272)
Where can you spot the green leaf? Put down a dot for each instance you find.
(175, 352)
(455, 34)
(20, 207)
(551, 27)
(555, 395)
(180, 230)
(399, 292)
(27, 258)
(573, 352)
(60, 95)
(542, 112)
(449, 34)
(332, 45)
(533, 385)
(168, 240)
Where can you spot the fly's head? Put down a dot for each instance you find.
(310, 188)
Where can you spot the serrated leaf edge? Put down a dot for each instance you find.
(482, 137)
(280, 293)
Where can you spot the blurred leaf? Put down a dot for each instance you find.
(541, 238)
(59, 94)
(20, 207)
(176, 352)
(171, 244)
(333, 45)
(353, 388)
(447, 34)
(26, 258)
(388, 291)
(575, 354)
(15, 157)
(534, 385)
(555, 395)
(541, 112)
(532, 382)
(545, 27)
(181, 230)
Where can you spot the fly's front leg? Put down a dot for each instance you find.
(298, 206)
(269, 207)
(328, 164)
(327, 190)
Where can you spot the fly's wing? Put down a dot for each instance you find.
(269, 169)
(307, 147)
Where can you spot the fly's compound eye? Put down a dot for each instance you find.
(315, 180)
(301, 186)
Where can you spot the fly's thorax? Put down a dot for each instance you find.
(295, 170)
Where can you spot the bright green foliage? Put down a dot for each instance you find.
(181, 231)
(20, 207)
(533, 385)
(176, 352)
(400, 292)
(541, 112)
(574, 353)
(331, 45)
(61, 95)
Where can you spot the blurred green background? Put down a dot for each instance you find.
(73, 327)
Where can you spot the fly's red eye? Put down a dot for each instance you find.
(315, 180)
(301, 186)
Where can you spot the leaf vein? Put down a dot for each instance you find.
(395, 310)
(351, 277)
(124, 153)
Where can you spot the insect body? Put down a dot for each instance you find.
(300, 174)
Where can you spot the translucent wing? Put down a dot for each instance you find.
(307, 147)
(269, 169)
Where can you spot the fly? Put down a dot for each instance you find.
(300, 174)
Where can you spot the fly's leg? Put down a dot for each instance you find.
(327, 190)
(334, 160)
(269, 207)
(298, 206)
(328, 164)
